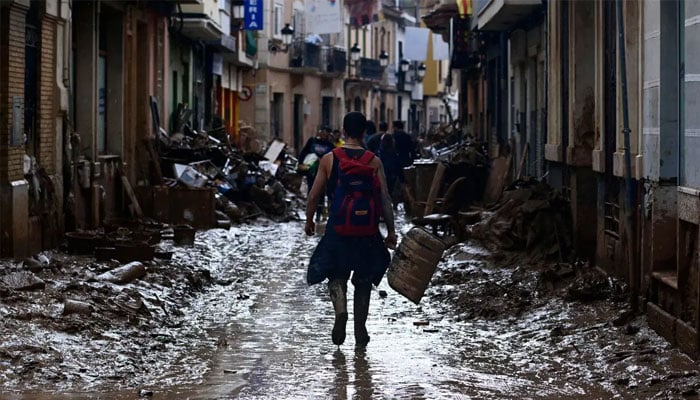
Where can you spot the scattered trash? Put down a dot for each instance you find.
(531, 218)
(124, 274)
(76, 307)
(33, 264)
(23, 280)
(248, 183)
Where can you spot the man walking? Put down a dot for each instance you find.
(352, 242)
(405, 145)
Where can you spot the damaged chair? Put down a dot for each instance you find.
(445, 216)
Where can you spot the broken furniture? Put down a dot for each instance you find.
(414, 263)
(446, 218)
(179, 205)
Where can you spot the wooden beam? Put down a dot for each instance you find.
(130, 193)
(434, 188)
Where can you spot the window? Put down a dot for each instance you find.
(277, 25)
(375, 50)
(298, 21)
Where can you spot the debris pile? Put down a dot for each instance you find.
(107, 306)
(485, 285)
(530, 217)
(247, 183)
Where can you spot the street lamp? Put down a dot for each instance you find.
(355, 53)
(404, 65)
(383, 58)
(421, 71)
(238, 9)
(274, 45)
(287, 34)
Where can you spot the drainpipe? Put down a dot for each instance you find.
(630, 226)
(544, 116)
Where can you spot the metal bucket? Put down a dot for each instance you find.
(414, 263)
(183, 235)
(134, 251)
(81, 242)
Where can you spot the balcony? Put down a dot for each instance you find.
(227, 46)
(335, 60)
(500, 15)
(201, 20)
(370, 69)
(304, 55)
(200, 27)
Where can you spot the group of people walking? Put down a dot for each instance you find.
(396, 149)
(358, 172)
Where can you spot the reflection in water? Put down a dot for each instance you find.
(340, 388)
(364, 389)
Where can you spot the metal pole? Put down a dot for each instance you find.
(630, 186)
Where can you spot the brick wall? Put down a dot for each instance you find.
(5, 122)
(12, 76)
(47, 88)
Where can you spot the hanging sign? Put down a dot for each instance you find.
(253, 19)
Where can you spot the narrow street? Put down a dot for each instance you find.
(262, 333)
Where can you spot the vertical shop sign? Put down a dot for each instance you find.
(253, 20)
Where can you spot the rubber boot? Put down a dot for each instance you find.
(361, 308)
(337, 289)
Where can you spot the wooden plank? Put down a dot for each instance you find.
(496, 180)
(95, 195)
(130, 193)
(153, 162)
(435, 188)
(521, 164)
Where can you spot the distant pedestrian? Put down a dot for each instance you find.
(374, 141)
(352, 241)
(390, 160)
(310, 158)
(370, 133)
(405, 145)
(337, 137)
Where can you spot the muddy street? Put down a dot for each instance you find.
(484, 330)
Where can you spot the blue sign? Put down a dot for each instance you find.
(253, 20)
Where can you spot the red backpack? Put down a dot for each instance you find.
(356, 204)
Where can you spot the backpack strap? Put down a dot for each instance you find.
(367, 156)
(340, 154)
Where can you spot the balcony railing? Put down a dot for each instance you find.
(334, 60)
(370, 69)
(305, 55)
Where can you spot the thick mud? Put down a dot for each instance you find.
(232, 317)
